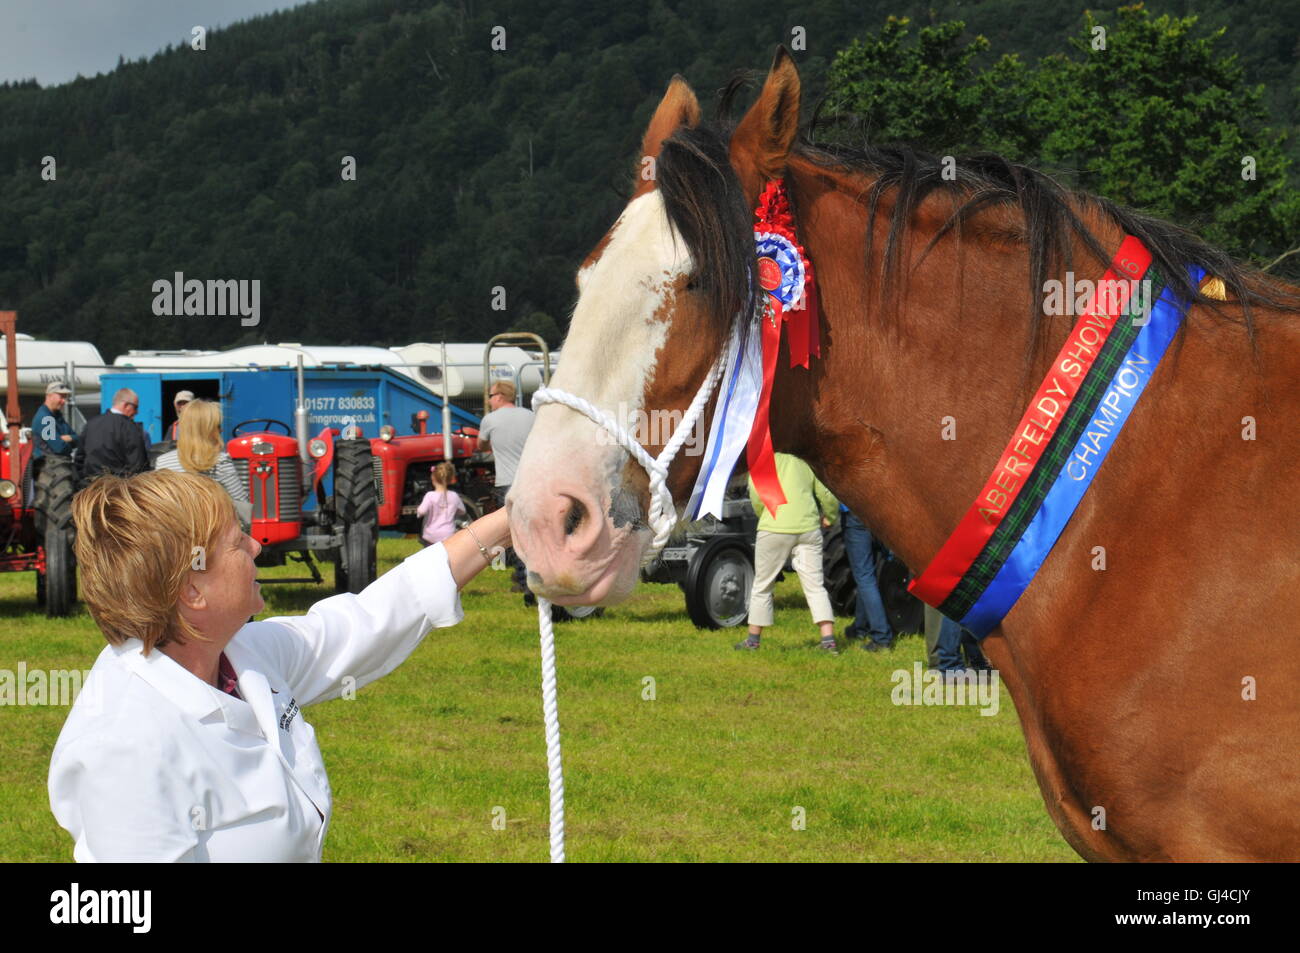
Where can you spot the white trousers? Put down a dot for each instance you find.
(770, 553)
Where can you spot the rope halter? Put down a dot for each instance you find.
(663, 511)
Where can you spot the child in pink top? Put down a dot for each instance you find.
(440, 506)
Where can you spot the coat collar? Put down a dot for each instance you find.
(191, 694)
(183, 689)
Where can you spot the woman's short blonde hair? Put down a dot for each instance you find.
(138, 540)
(198, 439)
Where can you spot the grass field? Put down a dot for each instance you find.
(712, 768)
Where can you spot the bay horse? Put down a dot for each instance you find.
(1158, 693)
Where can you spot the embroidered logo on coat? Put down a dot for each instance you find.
(289, 714)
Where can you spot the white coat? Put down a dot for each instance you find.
(154, 764)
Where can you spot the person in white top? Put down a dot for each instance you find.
(187, 742)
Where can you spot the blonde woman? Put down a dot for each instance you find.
(189, 742)
(200, 449)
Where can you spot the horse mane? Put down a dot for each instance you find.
(1050, 219)
(705, 203)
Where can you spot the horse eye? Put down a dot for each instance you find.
(692, 283)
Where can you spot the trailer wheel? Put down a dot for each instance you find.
(358, 556)
(718, 582)
(837, 571)
(52, 502)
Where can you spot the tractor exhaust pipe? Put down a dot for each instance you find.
(301, 431)
(447, 454)
(9, 328)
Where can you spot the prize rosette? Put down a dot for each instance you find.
(781, 271)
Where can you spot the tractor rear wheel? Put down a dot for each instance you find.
(52, 501)
(355, 500)
(837, 571)
(356, 504)
(60, 572)
(359, 557)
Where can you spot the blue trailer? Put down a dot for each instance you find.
(330, 455)
(335, 396)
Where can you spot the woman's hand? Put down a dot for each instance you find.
(464, 555)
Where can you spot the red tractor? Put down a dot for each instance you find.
(373, 484)
(35, 501)
(341, 527)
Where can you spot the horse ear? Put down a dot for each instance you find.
(761, 143)
(678, 108)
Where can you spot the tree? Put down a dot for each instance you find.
(1147, 112)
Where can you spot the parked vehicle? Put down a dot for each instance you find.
(36, 532)
(712, 561)
(319, 448)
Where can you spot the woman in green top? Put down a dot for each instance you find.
(796, 528)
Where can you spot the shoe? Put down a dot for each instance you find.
(829, 646)
(746, 646)
(530, 600)
(851, 634)
(870, 646)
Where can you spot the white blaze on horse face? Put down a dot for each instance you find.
(609, 360)
(614, 334)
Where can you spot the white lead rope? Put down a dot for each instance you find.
(551, 715)
(662, 518)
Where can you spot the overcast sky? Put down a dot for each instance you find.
(54, 40)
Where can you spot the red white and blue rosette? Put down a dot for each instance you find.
(781, 271)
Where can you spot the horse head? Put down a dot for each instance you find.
(657, 298)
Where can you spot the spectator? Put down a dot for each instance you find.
(946, 646)
(871, 622)
(797, 529)
(440, 506)
(183, 400)
(113, 441)
(200, 450)
(504, 430)
(51, 433)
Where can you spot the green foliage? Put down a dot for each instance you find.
(1148, 111)
(478, 168)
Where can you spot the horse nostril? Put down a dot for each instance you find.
(574, 517)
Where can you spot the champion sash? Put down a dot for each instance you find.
(1085, 458)
(1033, 435)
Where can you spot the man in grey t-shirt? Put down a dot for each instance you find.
(504, 430)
